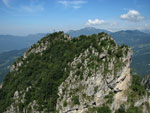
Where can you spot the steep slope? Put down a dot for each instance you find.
(7, 59)
(140, 42)
(141, 51)
(146, 82)
(60, 74)
(93, 77)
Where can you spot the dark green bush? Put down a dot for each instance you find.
(65, 104)
(133, 109)
(121, 109)
(75, 100)
(109, 97)
(136, 86)
(119, 53)
(104, 109)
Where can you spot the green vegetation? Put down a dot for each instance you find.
(79, 65)
(65, 104)
(136, 85)
(75, 100)
(89, 74)
(121, 109)
(44, 73)
(133, 109)
(140, 43)
(141, 55)
(95, 89)
(119, 53)
(7, 59)
(136, 90)
(103, 109)
(109, 97)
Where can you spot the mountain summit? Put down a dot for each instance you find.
(61, 74)
(86, 31)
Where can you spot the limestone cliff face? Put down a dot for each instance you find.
(64, 75)
(146, 82)
(90, 85)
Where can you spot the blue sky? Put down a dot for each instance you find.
(22, 17)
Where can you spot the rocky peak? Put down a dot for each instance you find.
(93, 76)
(41, 46)
(69, 75)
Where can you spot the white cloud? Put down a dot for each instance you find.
(6, 3)
(95, 22)
(113, 23)
(76, 7)
(65, 2)
(74, 4)
(132, 15)
(32, 8)
(147, 25)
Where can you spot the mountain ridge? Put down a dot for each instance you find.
(140, 48)
(75, 75)
(86, 31)
(40, 51)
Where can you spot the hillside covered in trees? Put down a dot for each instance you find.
(64, 74)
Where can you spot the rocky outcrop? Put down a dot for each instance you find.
(19, 96)
(144, 102)
(146, 82)
(19, 100)
(91, 85)
(94, 74)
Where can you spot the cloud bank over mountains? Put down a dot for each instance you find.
(27, 16)
(95, 22)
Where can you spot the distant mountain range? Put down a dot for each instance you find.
(10, 42)
(131, 37)
(146, 31)
(139, 41)
(86, 31)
